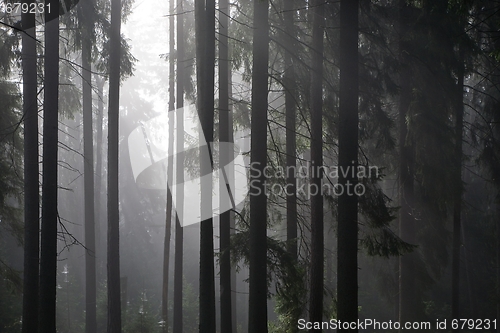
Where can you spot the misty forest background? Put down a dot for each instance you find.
(409, 86)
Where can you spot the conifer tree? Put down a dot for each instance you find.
(317, 247)
(205, 77)
(31, 187)
(347, 252)
(258, 159)
(225, 128)
(170, 166)
(48, 252)
(113, 253)
(86, 17)
(179, 205)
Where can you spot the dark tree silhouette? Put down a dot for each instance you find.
(114, 297)
(317, 246)
(205, 61)
(347, 251)
(257, 322)
(225, 127)
(179, 205)
(457, 201)
(290, 87)
(48, 251)
(31, 186)
(170, 167)
(406, 170)
(86, 16)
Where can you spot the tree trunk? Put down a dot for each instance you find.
(114, 296)
(48, 253)
(497, 203)
(86, 16)
(31, 191)
(257, 321)
(98, 181)
(179, 205)
(232, 219)
(407, 297)
(170, 168)
(205, 59)
(225, 127)
(347, 275)
(290, 100)
(457, 204)
(317, 246)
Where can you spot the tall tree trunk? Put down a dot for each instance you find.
(114, 297)
(179, 205)
(48, 253)
(86, 15)
(329, 241)
(347, 263)
(170, 167)
(497, 202)
(317, 246)
(225, 127)
(290, 110)
(31, 190)
(205, 59)
(232, 219)
(98, 181)
(407, 296)
(258, 201)
(457, 204)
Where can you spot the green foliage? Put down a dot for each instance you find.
(377, 237)
(190, 308)
(11, 141)
(432, 310)
(11, 144)
(140, 318)
(287, 275)
(102, 308)
(69, 91)
(11, 180)
(70, 301)
(10, 305)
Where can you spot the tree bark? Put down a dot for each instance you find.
(170, 167)
(317, 246)
(86, 16)
(407, 296)
(290, 87)
(114, 296)
(98, 181)
(257, 322)
(457, 204)
(347, 275)
(31, 182)
(179, 231)
(497, 203)
(48, 253)
(232, 219)
(225, 127)
(205, 59)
